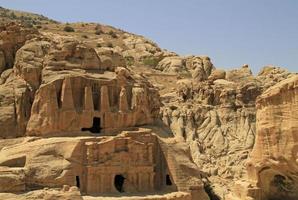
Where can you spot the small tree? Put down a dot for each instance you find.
(68, 29)
(13, 15)
(113, 34)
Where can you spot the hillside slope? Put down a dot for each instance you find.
(211, 110)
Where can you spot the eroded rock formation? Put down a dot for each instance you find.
(73, 110)
(60, 86)
(12, 37)
(273, 164)
(217, 118)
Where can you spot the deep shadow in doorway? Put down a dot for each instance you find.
(95, 126)
(119, 182)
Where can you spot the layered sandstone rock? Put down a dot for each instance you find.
(217, 118)
(273, 163)
(111, 58)
(67, 86)
(67, 193)
(12, 37)
(93, 164)
(62, 84)
(200, 67)
(76, 101)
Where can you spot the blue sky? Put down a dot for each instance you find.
(231, 32)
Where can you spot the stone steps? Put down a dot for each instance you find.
(177, 163)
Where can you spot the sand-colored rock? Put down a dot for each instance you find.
(200, 67)
(273, 161)
(172, 64)
(65, 113)
(241, 74)
(218, 120)
(110, 58)
(12, 37)
(73, 107)
(93, 164)
(217, 74)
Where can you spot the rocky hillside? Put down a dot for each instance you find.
(212, 110)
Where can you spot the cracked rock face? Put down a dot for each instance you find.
(217, 118)
(223, 125)
(273, 162)
(12, 37)
(55, 79)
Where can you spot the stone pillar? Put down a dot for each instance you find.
(123, 105)
(52, 106)
(92, 182)
(104, 99)
(66, 96)
(150, 153)
(140, 182)
(112, 188)
(101, 183)
(52, 100)
(88, 100)
(90, 157)
(151, 181)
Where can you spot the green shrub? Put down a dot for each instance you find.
(129, 60)
(28, 24)
(12, 15)
(150, 61)
(68, 29)
(113, 34)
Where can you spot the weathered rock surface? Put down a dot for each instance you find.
(91, 87)
(217, 118)
(46, 194)
(200, 67)
(51, 76)
(273, 163)
(12, 37)
(139, 156)
(61, 86)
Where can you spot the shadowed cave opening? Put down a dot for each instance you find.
(283, 187)
(168, 180)
(95, 126)
(78, 181)
(118, 182)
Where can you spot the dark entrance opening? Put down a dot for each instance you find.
(78, 181)
(95, 126)
(209, 190)
(118, 182)
(168, 180)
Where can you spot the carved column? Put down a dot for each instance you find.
(123, 105)
(88, 100)
(53, 104)
(104, 99)
(66, 96)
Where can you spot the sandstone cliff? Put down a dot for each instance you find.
(273, 162)
(61, 91)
